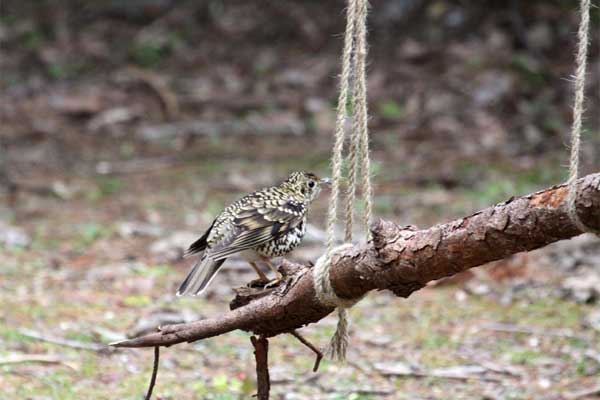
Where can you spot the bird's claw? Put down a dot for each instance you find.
(267, 283)
(273, 283)
(258, 283)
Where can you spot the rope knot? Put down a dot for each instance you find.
(322, 281)
(325, 293)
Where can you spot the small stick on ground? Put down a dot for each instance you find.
(75, 344)
(583, 393)
(261, 354)
(154, 373)
(34, 358)
(509, 328)
(318, 353)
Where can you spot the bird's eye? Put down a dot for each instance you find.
(311, 184)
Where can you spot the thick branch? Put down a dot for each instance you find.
(402, 260)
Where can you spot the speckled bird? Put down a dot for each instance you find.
(261, 225)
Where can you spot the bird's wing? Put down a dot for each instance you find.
(255, 223)
(200, 244)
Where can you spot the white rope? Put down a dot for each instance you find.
(353, 84)
(353, 168)
(340, 131)
(359, 147)
(360, 93)
(578, 110)
(326, 295)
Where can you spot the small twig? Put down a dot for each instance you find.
(509, 328)
(373, 392)
(75, 344)
(434, 374)
(154, 373)
(582, 393)
(440, 373)
(499, 369)
(33, 358)
(318, 353)
(261, 354)
(359, 368)
(363, 391)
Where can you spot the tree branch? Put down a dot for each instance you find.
(261, 355)
(402, 260)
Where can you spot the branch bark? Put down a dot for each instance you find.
(261, 355)
(402, 260)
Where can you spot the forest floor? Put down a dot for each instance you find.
(122, 158)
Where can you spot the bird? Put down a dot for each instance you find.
(268, 223)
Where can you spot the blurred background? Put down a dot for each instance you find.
(126, 126)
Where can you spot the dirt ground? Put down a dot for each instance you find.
(124, 130)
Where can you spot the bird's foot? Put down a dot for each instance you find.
(267, 283)
(259, 283)
(279, 279)
(274, 282)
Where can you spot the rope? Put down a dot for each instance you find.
(578, 110)
(326, 295)
(353, 167)
(340, 131)
(353, 84)
(353, 81)
(360, 93)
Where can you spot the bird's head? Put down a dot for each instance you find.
(305, 185)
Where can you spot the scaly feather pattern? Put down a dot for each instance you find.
(270, 222)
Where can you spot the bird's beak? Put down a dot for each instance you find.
(326, 181)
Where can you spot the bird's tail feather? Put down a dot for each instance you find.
(200, 276)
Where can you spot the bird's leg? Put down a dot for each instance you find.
(272, 267)
(261, 274)
(278, 276)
